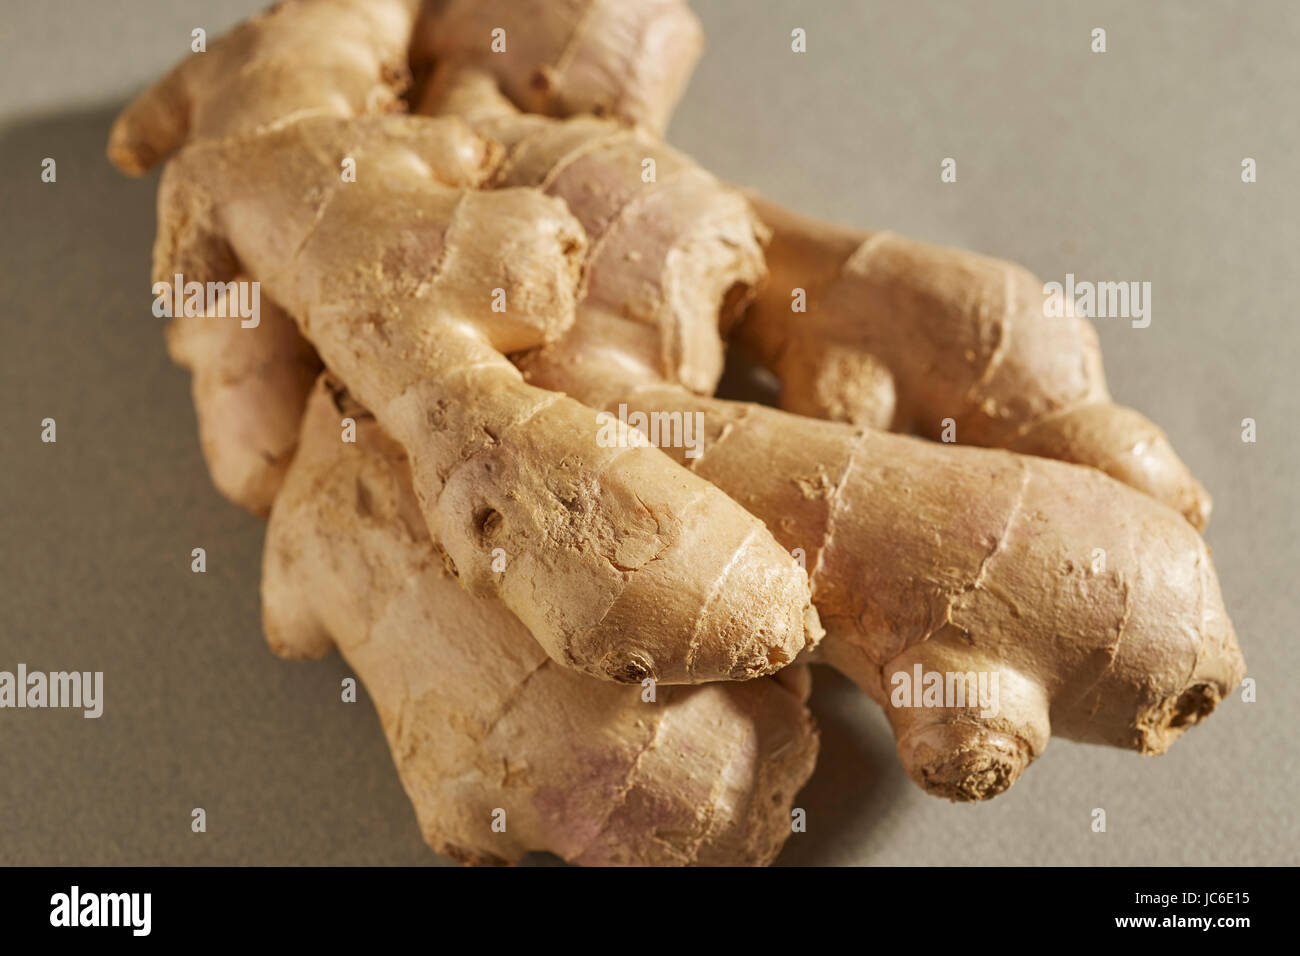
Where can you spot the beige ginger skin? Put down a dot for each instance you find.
(329, 58)
(403, 310)
(348, 58)
(664, 255)
(343, 58)
(898, 333)
(1097, 606)
(250, 386)
(626, 61)
(902, 334)
(958, 559)
(479, 719)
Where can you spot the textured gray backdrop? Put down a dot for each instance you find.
(1123, 165)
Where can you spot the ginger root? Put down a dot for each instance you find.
(626, 61)
(337, 58)
(484, 727)
(901, 334)
(959, 559)
(1095, 607)
(348, 58)
(250, 386)
(668, 254)
(395, 279)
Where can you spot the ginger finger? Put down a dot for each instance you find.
(479, 720)
(623, 565)
(303, 57)
(250, 385)
(626, 61)
(667, 252)
(609, 348)
(330, 57)
(694, 222)
(348, 58)
(610, 357)
(904, 335)
(1097, 607)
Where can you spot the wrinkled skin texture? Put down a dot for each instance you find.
(955, 559)
(395, 279)
(904, 335)
(351, 58)
(1096, 606)
(481, 722)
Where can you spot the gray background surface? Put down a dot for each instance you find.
(1123, 165)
